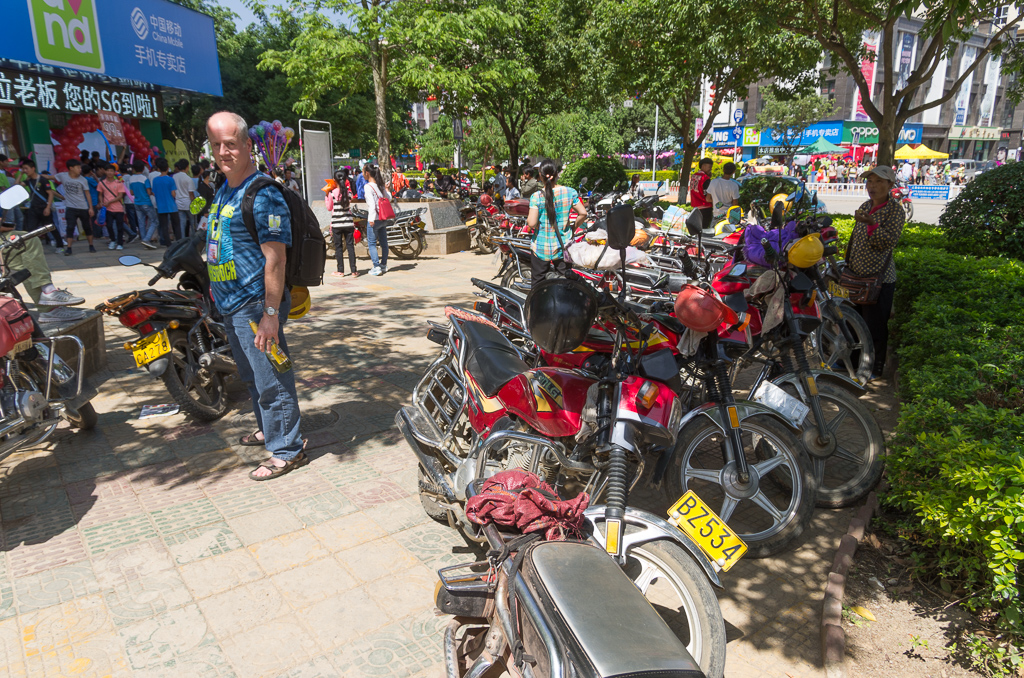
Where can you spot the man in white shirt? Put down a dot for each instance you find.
(724, 192)
(184, 192)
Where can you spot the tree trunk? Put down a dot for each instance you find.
(887, 135)
(379, 61)
(689, 150)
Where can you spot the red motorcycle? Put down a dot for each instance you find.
(902, 193)
(481, 409)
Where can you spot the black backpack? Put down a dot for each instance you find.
(307, 255)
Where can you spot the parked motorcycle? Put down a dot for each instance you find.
(481, 409)
(37, 388)
(182, 339)
(560, 608)
(406, 236)
(902, 193)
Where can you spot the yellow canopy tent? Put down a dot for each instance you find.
(922, 152)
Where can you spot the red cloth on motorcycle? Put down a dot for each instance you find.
(15, 324)
(701, 310)
(519, 499)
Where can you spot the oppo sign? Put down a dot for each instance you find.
(868, 133)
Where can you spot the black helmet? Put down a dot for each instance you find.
(560, 313)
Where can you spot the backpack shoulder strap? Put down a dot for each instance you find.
(249, 199)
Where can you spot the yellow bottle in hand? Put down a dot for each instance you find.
(275, 355)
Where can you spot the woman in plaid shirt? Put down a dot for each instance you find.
(549, 222)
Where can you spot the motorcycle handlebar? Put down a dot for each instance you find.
(770, 255)
(154, 279)
(14, 240)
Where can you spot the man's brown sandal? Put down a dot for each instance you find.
(251, 440)
(275, 471)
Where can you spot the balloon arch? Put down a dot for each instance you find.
(79, 125)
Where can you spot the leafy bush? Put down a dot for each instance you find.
(987, 218)
(609, 171)
(956, 463)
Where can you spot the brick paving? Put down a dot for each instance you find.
(142, 548)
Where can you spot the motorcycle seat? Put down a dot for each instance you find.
(490, 359)
(618, 631)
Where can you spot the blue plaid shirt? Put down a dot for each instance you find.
(545, 241)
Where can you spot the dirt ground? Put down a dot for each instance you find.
(913, 626)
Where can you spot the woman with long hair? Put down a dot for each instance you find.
(548, 221)
(376, 228)
(343, 225)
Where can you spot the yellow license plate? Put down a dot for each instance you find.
(710, 532)
(471, 221)
(152, 347)
(837, 290)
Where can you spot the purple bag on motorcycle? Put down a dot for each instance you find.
(753, 250)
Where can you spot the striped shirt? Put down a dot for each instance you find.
(545, 240)
(342, 217)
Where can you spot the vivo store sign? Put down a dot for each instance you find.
(152, 41)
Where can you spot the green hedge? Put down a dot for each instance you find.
(956, 463)
(987, 218)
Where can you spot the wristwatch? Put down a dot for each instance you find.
(270, 310)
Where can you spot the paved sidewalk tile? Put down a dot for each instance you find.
(55, 586)
(201, 542)
(154, 642)
(288, 551)
(218, 573)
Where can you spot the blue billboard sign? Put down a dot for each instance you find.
(831, 131)
(919, 192)
(151, 41)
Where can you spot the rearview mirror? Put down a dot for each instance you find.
(583, 182)
(12, 197)
(738, 269)
(621, 227)
(778, 214)
(129, 260)
(694, 223)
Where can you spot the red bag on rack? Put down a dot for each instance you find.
(521, 500)
(15, 325)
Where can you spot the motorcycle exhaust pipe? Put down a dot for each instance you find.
(218, 363)
(429, 463)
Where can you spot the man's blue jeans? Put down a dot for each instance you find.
(274, 400)
(145, 215)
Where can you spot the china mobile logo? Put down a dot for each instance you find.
(66, 33)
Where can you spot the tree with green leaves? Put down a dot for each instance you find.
(497, 59)
(667, 51)
(839, 27)
(338, 43)
(571, 135)
(789, 117)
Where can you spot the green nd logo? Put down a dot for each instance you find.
(66, 33)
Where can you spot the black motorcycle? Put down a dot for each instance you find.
(182, 338)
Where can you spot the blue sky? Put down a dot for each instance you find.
(236, 6)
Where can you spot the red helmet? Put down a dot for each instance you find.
(699, 309)
(485, 200)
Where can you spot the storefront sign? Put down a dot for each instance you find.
(981, 133)
(153, 41)
(751, 137)
(774, 150)
(49, 93)
(830, 131)
(867, 133)
(110, 123)
(725, 137)
(922, 192)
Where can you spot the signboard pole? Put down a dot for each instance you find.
(654, 154)
(316, 155)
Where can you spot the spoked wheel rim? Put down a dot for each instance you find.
(206, 390)
(756, 510)
(670, 597)
(854, 358)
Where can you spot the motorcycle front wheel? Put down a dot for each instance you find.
(854, 358)
(83, 418)
(202, 397)
(848, 466)
(680, 591)
(767, 516)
